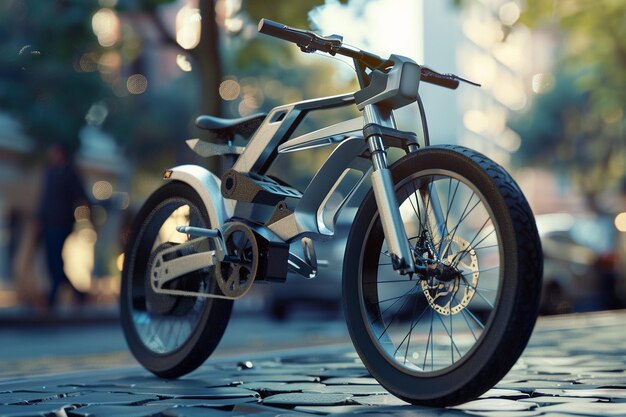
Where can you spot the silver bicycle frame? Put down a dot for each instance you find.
(356, 157)
(308, 217)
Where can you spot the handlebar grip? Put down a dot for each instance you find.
(443, 80)
(278, 30)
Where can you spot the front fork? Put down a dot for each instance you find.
(398, 244)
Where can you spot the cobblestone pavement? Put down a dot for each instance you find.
(575, 365)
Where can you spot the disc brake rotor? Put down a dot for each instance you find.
(451, 297)
(235, 278)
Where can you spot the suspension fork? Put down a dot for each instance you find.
(384, 193)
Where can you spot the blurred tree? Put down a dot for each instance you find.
(41, 83)
(581, 118)
(61, 58)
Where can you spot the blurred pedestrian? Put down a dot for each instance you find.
(62, 191)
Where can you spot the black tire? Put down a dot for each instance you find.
(491, 325)
(169, 335)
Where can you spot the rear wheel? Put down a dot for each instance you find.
(170, 335)
(448, 334)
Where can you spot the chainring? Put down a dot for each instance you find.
(442, 296)
(235, 276)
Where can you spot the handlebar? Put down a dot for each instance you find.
(305, 39)
(310, 42)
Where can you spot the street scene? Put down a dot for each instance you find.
(321, 207)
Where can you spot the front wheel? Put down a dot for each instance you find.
(449, 333)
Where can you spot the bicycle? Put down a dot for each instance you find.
(443, 263)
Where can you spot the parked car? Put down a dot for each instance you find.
(581, 257)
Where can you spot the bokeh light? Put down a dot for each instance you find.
(542, 82)
(229, 89)
(188, 27)
(137, 84)
(183, 62)
(620, 222)
(106, 26)
(102, 190)
(509, 13)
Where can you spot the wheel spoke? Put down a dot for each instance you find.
(466, 245)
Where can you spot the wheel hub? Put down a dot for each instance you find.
(451, 282)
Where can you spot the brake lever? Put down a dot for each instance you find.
(329, 44)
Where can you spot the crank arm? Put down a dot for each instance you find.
(215, 234)
(300, 267)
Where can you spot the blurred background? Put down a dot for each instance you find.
(119, 83)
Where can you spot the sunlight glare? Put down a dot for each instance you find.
(384, 26)
(188, 27)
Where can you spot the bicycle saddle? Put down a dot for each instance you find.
(244, 126)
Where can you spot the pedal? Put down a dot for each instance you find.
(306, 267)
(198, 231)
(309, 254)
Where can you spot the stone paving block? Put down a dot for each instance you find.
(527, 413)
(33, 410)
(32, 386)
(102, 398)
(536, 384)
(413, 411)
(355, 389)
(532, 374)
(586, 409)
(606, 393)
(547, 400)
(495, 404)
(205, 403)
(117, 410)
(344, 373)
(296, 399)
(603, 383)
(259, 410)
(386, 399)
(278, 378)
(356, 381)
(193, 412)
(335, 409)
(270, 388)
(561, 361)
(23, 397)
(504, 393)
(198, 392)
(153, 381)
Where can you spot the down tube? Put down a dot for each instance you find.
(347, 155)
